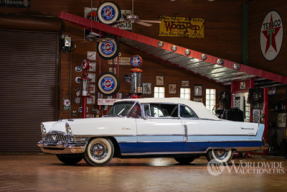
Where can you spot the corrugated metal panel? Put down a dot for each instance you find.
(28, 78)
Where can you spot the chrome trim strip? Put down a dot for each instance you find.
(65, 151)
(220, 135)
(160, 135)
(104, 135)
(62, 148)
(160, 141)
(223, 141)
(247, 128)
(185, 133)
(127, 141)
(185, 141)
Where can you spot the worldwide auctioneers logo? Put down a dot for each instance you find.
(215, 168)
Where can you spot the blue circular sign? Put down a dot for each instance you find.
(108, 47)
(136, 61)
(107, 83)
(108, 12)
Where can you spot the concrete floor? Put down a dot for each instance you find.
(47, 173)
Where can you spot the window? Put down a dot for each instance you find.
(185, 93)
(210, 99)
(128, 109)
(187, 112)
(159, 92)
(164, 110)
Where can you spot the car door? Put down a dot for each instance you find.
(190, 122)
(160, 131)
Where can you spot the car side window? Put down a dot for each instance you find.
(163, 110)
(187, 112)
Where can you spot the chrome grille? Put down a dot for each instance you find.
(55, 137)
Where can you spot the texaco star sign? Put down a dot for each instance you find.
(271, 35)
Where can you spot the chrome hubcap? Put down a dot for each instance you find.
(99, 151)
(220, 153)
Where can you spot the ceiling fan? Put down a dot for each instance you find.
(135, 19)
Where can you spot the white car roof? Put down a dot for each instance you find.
(197, 107)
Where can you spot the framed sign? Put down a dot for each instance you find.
(198, 90)
(91, 100)
(171, 88)
(185, 83)
(91, 55)
(159, 80)
(92, 67)
(242, 85)
(146, 88)
(92, 88)
(92, 76)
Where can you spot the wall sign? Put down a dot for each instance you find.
(15, 3)
(271, 35)
(108, 84)
(92, 67)
(93, 13)
(66, 104)
(91, 55)
(136, 61)
(106, 101)
(181, 27)
(122, 61)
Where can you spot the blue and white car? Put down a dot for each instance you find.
(165, 127)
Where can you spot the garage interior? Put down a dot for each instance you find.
(38, 74)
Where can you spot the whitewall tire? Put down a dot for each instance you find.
(100, 151)
(219, 155)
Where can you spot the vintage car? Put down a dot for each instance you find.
(165, 127)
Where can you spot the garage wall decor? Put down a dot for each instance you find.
(271, 36)
(16, 3)
(181, 27)
(92, 13)
(108, 49)
(109, 13)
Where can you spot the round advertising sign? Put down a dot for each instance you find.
(108, 13)
(108, 84)
(136, 61)
(271, 35)
(108, 49)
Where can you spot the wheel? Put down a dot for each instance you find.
(108, 84)
(100, 151)
(109, 13)
(70, 159)
(184, 160)
(108, 49)
(219, 155)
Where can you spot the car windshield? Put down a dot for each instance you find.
(127, 109)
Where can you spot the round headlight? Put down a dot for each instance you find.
(43, 129)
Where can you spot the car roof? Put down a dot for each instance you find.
(197, 107)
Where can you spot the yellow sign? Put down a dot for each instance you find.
(181, 27)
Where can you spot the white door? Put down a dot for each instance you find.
(161, 131)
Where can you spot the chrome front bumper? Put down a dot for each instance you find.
(62, 148)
